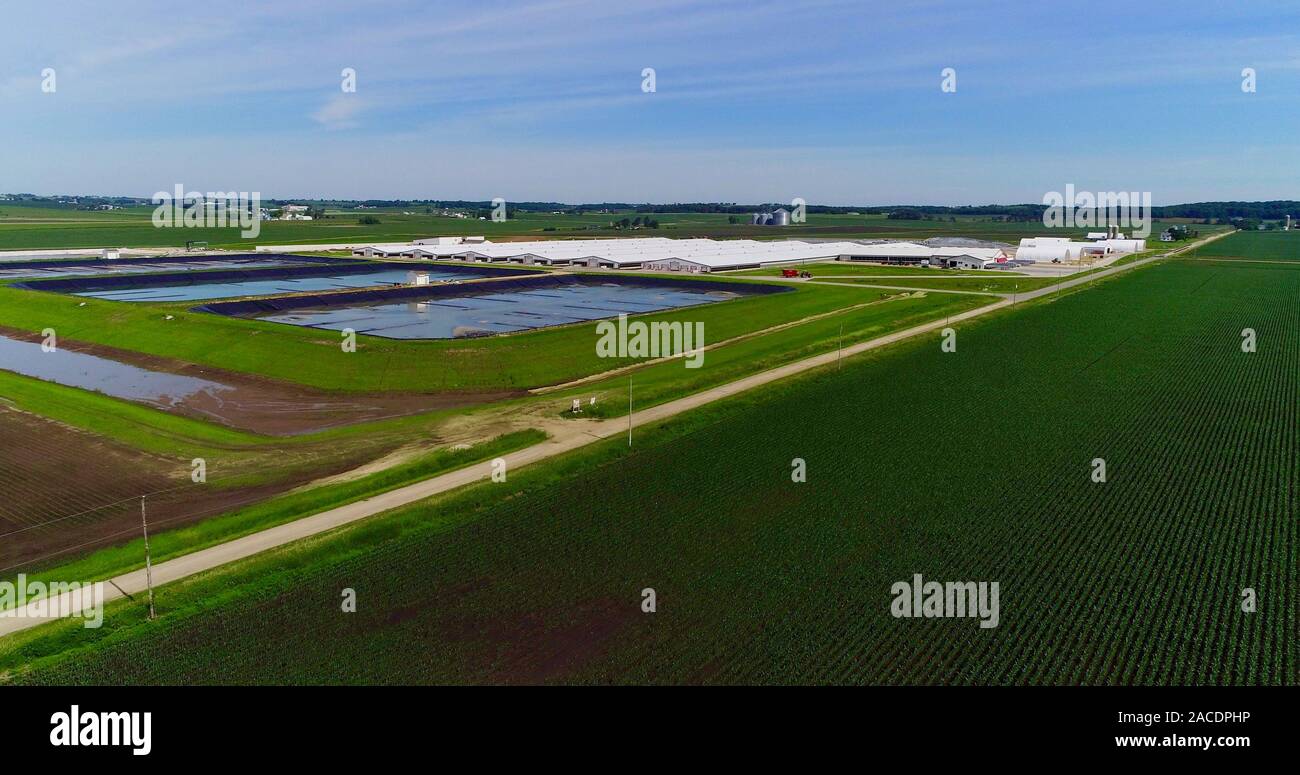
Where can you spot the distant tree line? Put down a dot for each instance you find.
(635, 223)
(1223, 212)
(1180, 232)
(1234, 212)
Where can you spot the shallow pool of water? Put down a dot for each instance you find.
(91, 372)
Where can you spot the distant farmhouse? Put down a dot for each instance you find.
(294, 213)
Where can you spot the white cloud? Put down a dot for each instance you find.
(339, 112)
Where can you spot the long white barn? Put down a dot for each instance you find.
(679, 255)
(1064, 249)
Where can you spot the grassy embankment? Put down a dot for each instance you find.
(315, 358)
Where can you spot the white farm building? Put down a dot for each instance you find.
(662, 254)
(1064, 249)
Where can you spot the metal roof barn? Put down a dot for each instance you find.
(665, 254)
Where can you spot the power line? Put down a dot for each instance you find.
(131, 531)
(90, 511)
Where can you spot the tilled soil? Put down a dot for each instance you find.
(271, 407)
(64, 491)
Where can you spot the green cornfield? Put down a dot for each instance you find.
(974, 465)
(1255, 246)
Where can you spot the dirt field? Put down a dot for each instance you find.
(65, 489)
(270, 407)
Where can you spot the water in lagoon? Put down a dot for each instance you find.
(102, 375)
(493, 313)
(197, 290)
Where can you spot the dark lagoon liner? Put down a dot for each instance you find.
(109, 263)
(167, 279)
(256, 307)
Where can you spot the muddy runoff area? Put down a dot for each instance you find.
(243, 401)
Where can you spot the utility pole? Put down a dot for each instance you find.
(148, 566)
(629, 410)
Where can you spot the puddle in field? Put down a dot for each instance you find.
(114, 378)
(237, 400)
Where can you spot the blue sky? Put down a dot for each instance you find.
(835, 102)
